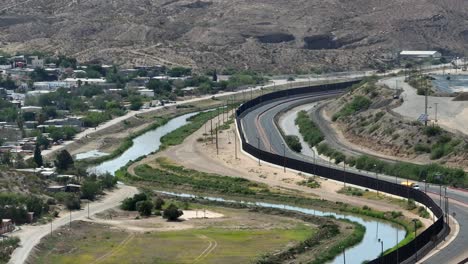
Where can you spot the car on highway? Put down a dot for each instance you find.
(410, 184)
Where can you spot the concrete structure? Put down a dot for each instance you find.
(420, 54)
(35, 62)
(6, 226)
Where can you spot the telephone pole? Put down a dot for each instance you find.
(217, 145)
(425, 105)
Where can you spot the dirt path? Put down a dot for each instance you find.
(202, 157)
(31, 235)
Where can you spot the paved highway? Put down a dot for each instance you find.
(260, 130)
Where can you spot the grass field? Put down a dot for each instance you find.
(95, 243)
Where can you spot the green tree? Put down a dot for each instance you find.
(158, 203)
(89, 189)
(64, 161)
(72, 203)
(107, 180)
(38, 156)
(144, 207)
(42, 141)
(135, 103)
(172, 213)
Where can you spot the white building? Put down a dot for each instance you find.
(50, 86)
(36, 62)
(31, 109)
(420, 54)
(146, 92)
(74, 81)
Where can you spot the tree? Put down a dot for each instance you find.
(135, 103)
(129, 204)
(38, 156)
(64, 160)
(107, 180)
(89, 190)
(73, 203)
(158, 203)
(144, 207)
(42, 141)
(172, 213)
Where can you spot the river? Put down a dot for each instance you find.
(142, 145)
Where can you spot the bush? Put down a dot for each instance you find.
(432, 131)
(129, 204)
(144, 207)
(73, 203)
(293, 143)
(158, 203)
(358, 103)
(422, 148)
(7, 246)
(309, 131)
(172, 213)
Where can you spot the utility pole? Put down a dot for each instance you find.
(217, 146)
(436, 105)
(70, 218)
(258, 140)
(425, 104)
(211, 126)
(235, 144)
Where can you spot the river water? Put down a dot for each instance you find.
(142, 145)
(368, 249)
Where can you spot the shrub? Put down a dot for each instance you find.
(144, 207)
(422, 148)
(73, 203)
(358, 103)
(172, 213)
(309, 131)
(432, 131)
(293, 143)
(129, 204)
(158, 203)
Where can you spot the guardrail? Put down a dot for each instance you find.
(408, 253)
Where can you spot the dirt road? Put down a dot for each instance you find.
(31, 235)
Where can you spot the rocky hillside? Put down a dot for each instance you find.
(365, 117)
(267, 35)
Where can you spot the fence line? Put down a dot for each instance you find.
(408, 253)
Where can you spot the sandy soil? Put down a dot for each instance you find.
(128, 221)
(203, 157)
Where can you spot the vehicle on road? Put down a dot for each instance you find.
(410, 184)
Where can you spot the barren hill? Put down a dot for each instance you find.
(281, 35)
